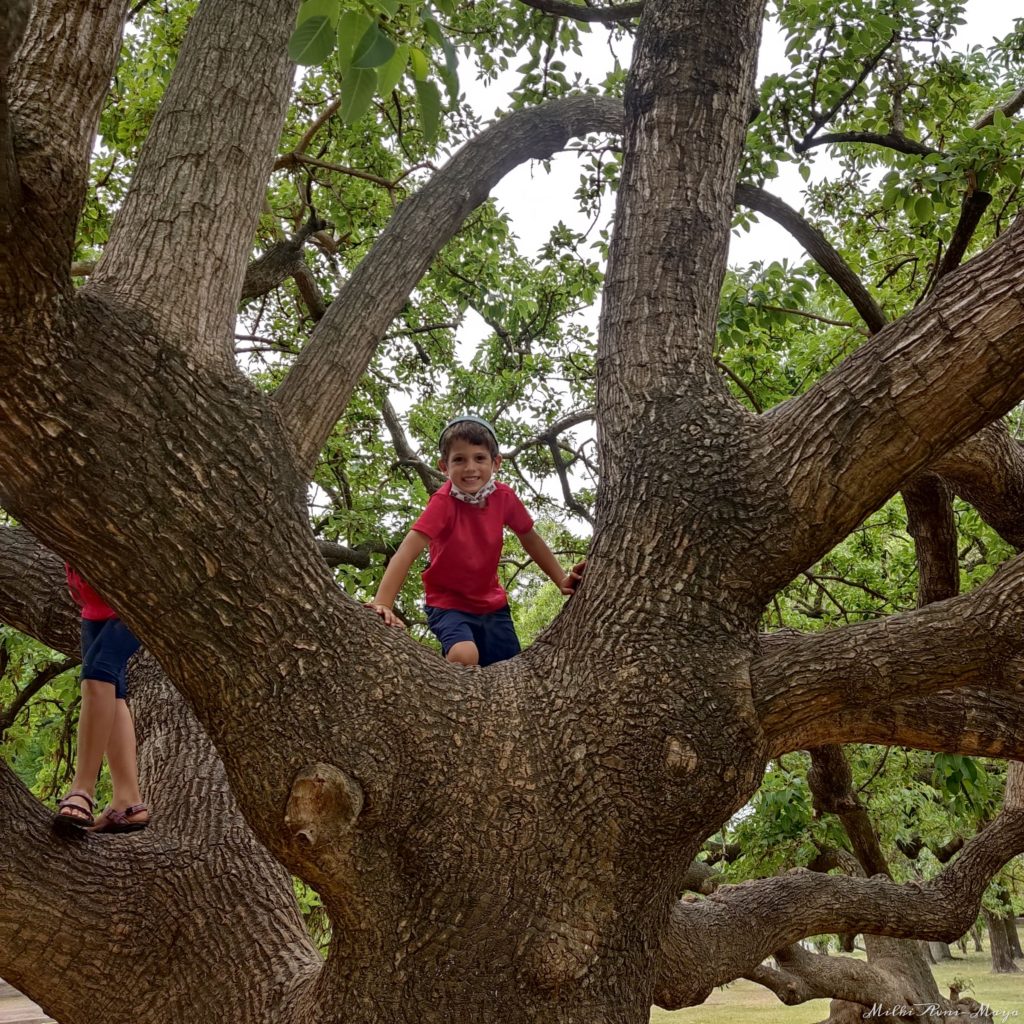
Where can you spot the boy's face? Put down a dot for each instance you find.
(469, 466)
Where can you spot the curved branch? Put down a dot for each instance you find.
(818, 248)
(205, 161)
(987, 471)
(552, 432)
(804, 684)
(922, 385)
(319, 385)
(1009, 108)
(890, 140)
(578, 12)
(737, 927)
(9, 714)
(279, 262)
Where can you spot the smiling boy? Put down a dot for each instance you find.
(464, 522)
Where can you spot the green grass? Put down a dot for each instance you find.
(743, 1002)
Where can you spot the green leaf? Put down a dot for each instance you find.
(420, 65)
(429, 100)
(311, 43)
(374, 49)
(1012, 174)
(351, 29)
(329, 9)
(805, 172)
(391, 73)
(357, 89)
(922, 209)
(433, 31)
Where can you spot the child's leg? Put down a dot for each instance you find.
(95, 722)
(454, 630)
(124, 769)
(463, 653)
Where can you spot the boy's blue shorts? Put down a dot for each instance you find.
(494, 635)
(107, 644)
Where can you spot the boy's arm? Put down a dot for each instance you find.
(395, 574)
(537, 549)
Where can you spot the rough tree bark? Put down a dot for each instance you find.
(499, 844)
(999, 945)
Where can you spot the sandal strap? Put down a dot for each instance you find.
(134, 809)
(66, 802)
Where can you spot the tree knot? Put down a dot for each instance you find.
(323, 804)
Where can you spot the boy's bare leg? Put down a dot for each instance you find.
(95, 722)
(464, 653)
(123, 762)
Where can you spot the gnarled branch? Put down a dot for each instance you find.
(737, 927)
(805, 684)
(922, 385)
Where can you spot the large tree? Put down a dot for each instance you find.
(509, 842)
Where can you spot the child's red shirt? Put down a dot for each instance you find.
(465, 547)
(93, 606)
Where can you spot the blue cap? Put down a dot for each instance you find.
(469, 419)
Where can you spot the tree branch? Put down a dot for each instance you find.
(1009, 108)
(930, 522)
(987, 470)
(205, 162)
(432, 478)
(319, 385)
(578, 12)
(55, 69)
(737, 927)
(890, 140)
(818, 248)
(974, 204)
(922, 385)
(278, 263)
(9, 714)
(804, 684)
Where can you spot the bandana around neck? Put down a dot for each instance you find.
(481, 496)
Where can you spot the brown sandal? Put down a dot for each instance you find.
(74, 815)
(112, 820)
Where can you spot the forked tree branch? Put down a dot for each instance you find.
(922, 385)
(806, 684)
(737, 927)
(316, 391)
(1009, 108)
(197, 188)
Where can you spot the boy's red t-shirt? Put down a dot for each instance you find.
(93, 606)
(465, 547)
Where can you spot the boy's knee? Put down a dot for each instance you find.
(464, 653)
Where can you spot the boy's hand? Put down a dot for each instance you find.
(573, 578)
(386, 613)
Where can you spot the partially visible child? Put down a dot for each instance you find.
(464, 521)
(104, 724)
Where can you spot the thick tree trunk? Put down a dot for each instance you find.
(1013, 936)
(976, 937)
(1002, 954)
(940, 951)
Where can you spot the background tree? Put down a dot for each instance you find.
(512, 840)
